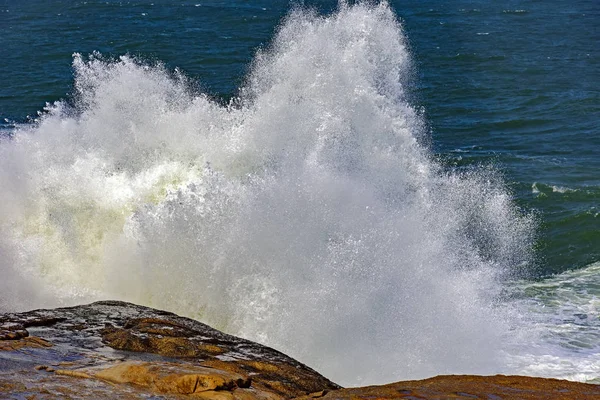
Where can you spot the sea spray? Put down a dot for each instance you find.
(306, 214)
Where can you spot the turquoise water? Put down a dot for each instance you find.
(471, 135)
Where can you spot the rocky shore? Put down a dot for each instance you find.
(117, 350)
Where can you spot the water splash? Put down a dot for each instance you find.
(306, 214)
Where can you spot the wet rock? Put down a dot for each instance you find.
(173, 378)
(31, 341)
(12, 331)
(469, 387)
(116, 350)
(130, 350)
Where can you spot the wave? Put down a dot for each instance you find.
(515, 11)
(305, 214)
(580, 192)
(562, 311)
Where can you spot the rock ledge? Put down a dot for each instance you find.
(118, 350)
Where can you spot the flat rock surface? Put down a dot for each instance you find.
(470, 387)
(117, 350)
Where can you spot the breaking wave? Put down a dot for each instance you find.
(306, 214)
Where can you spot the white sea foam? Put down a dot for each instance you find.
(306, 215)
(563, 311)
(541, 189)
(562, 189)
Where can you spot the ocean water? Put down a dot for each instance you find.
(384, 191)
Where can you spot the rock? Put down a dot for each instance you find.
(12, 331)
(173, 378)
(109, 349)
(469, 387)
(31, 341)
(73, 373)
(116, 350)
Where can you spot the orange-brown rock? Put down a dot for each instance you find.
(165, 377)
(16, 344)
(469, 387)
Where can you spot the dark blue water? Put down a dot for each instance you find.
(517, 84)
(513, 84)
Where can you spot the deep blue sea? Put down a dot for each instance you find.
(382, 190)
